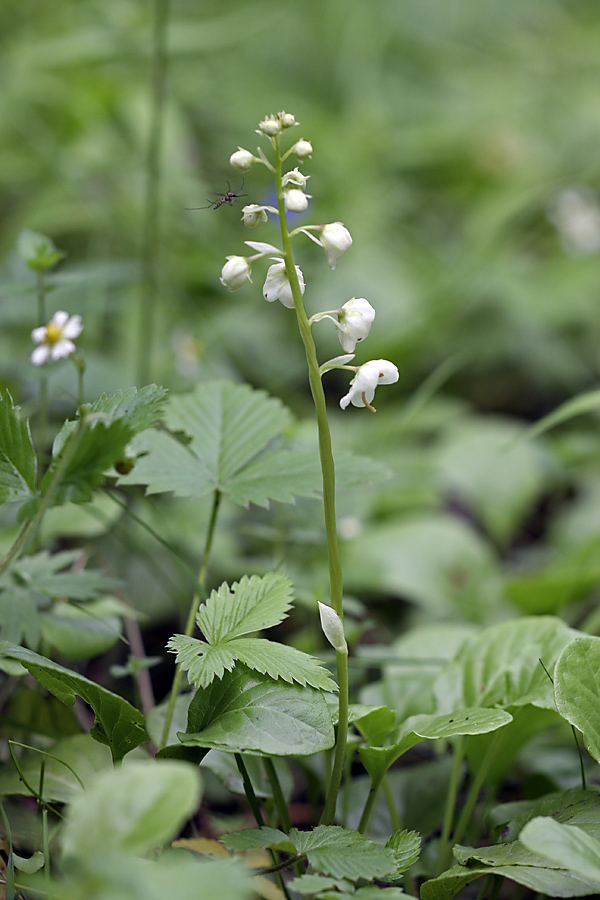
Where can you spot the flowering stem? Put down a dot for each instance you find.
(189, 625)
(328, 470)
(150, 242)
(43, 419)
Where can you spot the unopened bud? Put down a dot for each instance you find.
(242, 159)
(333, 628)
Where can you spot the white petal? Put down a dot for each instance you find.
(39, 334)
(261, 247)
(73, 328)
(60, 318)
(40, 355)
(61, 349)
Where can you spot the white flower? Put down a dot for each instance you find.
(236, 272)
(295, 200)
(287, 119)
(302, 149)
(277, 285)
(253, 215)
(333, 628)
(362, 386)
(335, 239)
(242, 159)
(353, 322)
(294, 179)
(55, 340)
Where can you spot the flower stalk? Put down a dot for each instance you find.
(328, 471)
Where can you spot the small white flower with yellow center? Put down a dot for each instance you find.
(368, 376)
(55, 340)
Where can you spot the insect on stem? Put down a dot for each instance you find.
(228, 197)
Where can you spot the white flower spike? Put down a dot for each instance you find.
(368, 376)
(236, 272)
(335, 239)
(55, 340)
(277, 285)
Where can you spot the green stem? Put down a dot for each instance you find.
(389, 799)
(367, 812)
(150, 235)
(284, 816)
(474, 789)
(328, 470)
(249, 789)
(189, 625)
(453, 786)
(43, 415)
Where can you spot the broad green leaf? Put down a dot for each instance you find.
(564, 845)
(313, 884)
(374, 724)
(258, 839)
(577, 689)
(500, 666)
(249, 605)
(377, 760)
(31, 864)
(18, 464)
(252, 604)
(575, 806)
(547, 882)
(19, 616)
(82, 632)
(134, 808)
(117, 723)
(250, 713)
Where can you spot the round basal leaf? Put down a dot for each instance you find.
(132, 809)
(577, 689)
(246, 712)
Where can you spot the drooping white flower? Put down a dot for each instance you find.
(254, 214)
(55, 340)
(368, 376)
(242, 159)
(335, 239)
(333, 628)
(277, 285)
(295, 200)
(302, 149)
(294, 179)
(353, 321)
(236, 272)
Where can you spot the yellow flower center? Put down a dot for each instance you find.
(53, 334)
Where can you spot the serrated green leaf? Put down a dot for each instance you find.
(577, 689)
(250, 713)
(406, 847)
(117, 723)
(19, 617)
(257, 839)
(202, 662)
(252, 604)
(45, 573)
(281, 661)
(138, 408)
(343, 853)
(18, 464)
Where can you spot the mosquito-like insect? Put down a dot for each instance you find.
(228, 197)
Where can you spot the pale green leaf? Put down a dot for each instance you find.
(134, 808)
(577, 689)
(18, 464)
(547, 882)
(343, 853)
(250, 713)
(566, 846)
(257, 839)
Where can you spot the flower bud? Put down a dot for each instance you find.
(242, 159)
(294, 179)
(333, 628)
(335, 239)
(295, 200)
(270, 125)
(277, 285)
(253, 215)
(235, 273)
(302, 149)
(287, 119)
